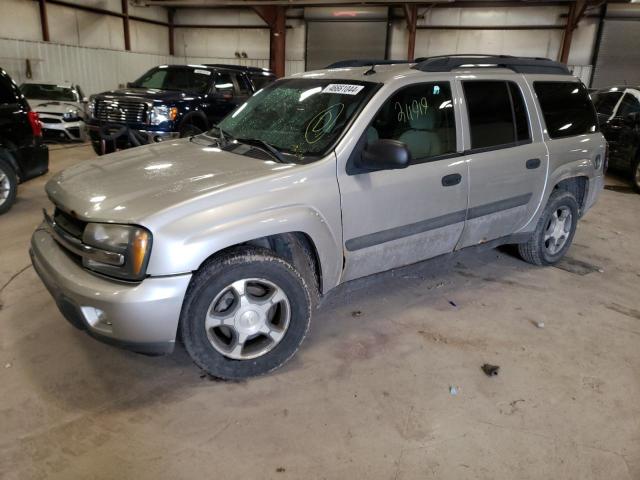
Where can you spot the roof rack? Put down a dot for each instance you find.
(364, 63)
(446, 63)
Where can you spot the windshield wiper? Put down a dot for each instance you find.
(265, 146)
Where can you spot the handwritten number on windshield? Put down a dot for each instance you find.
(323, 123)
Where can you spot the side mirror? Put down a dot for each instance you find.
(385, 154)
(632, 119)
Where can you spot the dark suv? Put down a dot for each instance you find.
(22, 153)
(170, 101)
(619, 116)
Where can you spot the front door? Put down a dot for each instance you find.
(397, 217)
(507, 163)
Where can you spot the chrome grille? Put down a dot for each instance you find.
(120, 111)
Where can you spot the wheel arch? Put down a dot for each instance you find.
(7, 156)
(578, 186)
(197, 118)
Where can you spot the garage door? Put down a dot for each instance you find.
(329, 42)
(618, 61)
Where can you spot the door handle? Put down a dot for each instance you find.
(533, 163)
(451, 180)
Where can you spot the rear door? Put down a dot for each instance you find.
(621, 134)
(397, 217)
(507, 157)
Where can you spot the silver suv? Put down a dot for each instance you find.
(228, 239)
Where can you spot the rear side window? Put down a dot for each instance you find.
(497, 114)
(566, 108)
(7, 94)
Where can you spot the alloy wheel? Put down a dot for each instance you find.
(248, 318)
(558, 230)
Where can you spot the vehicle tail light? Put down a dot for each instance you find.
(34, 121)
(605, 166)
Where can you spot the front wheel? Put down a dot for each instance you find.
(8, 186)
(245, 314)
(554, 232)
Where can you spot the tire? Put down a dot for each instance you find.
(8, 186)
(541, 251)
(97, 147)
(189, 130)
(212, 296)
(635, 175)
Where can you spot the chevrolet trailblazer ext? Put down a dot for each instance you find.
(228, 238)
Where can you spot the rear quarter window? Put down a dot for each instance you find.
(566, 108)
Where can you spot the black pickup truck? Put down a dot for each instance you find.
(170, 101)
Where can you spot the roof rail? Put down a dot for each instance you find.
(446, 63)
(364, 63)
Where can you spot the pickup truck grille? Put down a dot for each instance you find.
(120, 111)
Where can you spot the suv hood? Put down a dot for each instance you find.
(54, 106)
(149, 94)
(134, 184)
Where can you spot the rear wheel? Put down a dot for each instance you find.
(245, 314)
(554, 232)
(8, 186)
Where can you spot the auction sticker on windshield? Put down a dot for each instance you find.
(343, 89)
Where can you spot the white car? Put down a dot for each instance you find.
(61, 107)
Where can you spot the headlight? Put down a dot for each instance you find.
(162, 113)
(73, 116)
(91, 107)
(133, 242)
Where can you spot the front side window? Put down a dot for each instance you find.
(421, 116)
(566, 108)
(497, 114)
(44, 91)
(183, 79)
(301, 117)
(605, 102)
(628, 105)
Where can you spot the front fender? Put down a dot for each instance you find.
(180, 253)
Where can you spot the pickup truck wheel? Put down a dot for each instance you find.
(245, 314)
(554, 232)
(8, 186)
(189, 131)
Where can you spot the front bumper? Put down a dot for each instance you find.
(142, 317)
(55, 128)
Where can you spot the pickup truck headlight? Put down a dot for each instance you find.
(91, 107)
(133, 242)
(162, 113)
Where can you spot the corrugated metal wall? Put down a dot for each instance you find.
(618, 60)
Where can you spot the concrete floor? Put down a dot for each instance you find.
(368, 396)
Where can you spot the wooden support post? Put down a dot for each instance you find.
(125, 24)
(170, 14)
(576, 11)
(275, 17)
(44, 21)
(411, 15)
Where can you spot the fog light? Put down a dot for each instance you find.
(97, 319)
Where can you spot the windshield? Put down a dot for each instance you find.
(301, 117)
(183, 79)
(44, 91)
(605, 102)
